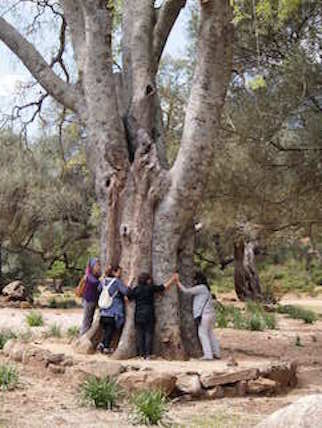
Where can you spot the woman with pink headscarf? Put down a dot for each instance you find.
(90, 296)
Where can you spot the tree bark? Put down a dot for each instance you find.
(147, 210)
(247, 283)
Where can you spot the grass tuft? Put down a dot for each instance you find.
(54, 331)
(102, 393)
(149, 407)
(8, 377)
(34, 319)
(6, 335)
(297, 312)
(73, 332)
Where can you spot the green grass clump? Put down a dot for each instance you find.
(34, 319)
(102, 393)
(54, 331)
(297, 312)
(62, 304)
(8, 377)
(73, 332)
(253, 318)
(6, 335)
(149, 407)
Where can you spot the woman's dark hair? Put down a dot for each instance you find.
(144, 278)
(111, 269)
(200, 278)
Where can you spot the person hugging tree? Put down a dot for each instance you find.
(143, 295)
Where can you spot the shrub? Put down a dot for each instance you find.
(256, 322)
(103, 393)
(34, 319)
(297, 312)
(6, 335)
(8, 377)
(54, 331)
(62, 304)
(149, 407)
(270, 321)
(73, 331)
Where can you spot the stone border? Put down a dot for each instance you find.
(233, 382)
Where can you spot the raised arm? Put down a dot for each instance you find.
(198, 289)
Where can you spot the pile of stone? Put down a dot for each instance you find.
(16, 294)
(229, 382)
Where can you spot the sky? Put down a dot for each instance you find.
(12, 72)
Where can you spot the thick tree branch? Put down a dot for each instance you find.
(74, 17)
(202, 122)
(166, 18)
(63, 92)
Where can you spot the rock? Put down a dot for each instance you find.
(100, 370)
(25, 305)
(305, 413)
(214, 393)
(17, 351)
(284, 374)
(232, 362)
(55, 358)
(16, 291)
(68, 362)
(214, 379)
(54, 369)
(239, 389)
(262, 386)
(141, 381)
(35, 356)
(189, 384)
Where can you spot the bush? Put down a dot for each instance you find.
(6, 335)
(73, 331)
(270, 321)
(8, 378)
(297, 312)
(149, 407)
(54, 331)
(62, 304)
(34, 319)
(103, 393)
(256, 322)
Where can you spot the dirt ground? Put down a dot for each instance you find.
(50, 401)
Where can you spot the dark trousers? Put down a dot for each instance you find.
(144, 338)
(108, 327)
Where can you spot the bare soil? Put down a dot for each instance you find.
(53, 401)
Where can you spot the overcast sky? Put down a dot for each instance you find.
(12, 71)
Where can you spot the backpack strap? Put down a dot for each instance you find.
(110, 285)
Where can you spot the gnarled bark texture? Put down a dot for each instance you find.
(147, 209)
(247, 284)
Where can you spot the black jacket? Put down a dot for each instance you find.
(144, 302)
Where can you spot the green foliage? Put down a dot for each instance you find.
(34, 319)
(54, 303)
(149, 407)
(8, 377)
(57, 270)
(297, 312)
(6, 335)
(253, 318)
(54, 331)
(103, 393)
(73, 332)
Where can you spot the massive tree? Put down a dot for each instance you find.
(147, 208)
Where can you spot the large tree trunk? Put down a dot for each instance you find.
(147, 209)
(247, 284)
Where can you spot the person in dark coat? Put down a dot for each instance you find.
(143, 295)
